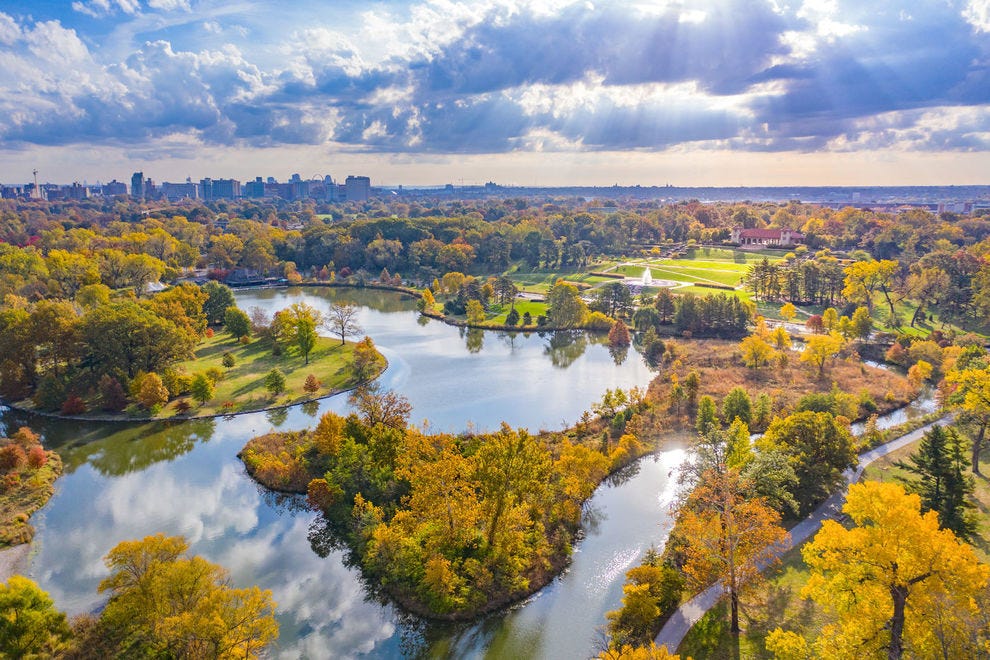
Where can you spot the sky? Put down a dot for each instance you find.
(520, 92)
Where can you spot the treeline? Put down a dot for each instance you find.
(449, 525)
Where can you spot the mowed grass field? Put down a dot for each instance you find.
(242, 387)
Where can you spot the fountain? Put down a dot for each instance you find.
(647, 277)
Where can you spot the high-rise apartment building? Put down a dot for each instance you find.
(358, 188)
(137, 185)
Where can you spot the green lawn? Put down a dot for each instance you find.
(243, 386)
(777, 603)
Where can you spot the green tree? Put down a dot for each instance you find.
(305, 336)
(939, 466)
(202, 388)
(30, 626)
(737, 404)
(218, 298)
(512, 468)
(123, 338)
(819, 447)
(275, 381)
(237, 322)
(228, 360)
(707, 417)
(565, 309)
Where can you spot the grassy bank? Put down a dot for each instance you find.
(23, 492)
(242, 387)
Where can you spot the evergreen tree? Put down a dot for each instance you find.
(940, 467)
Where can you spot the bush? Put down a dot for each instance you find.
(12, 458)
(37, 457)
(182, 406)
(74, 405)
(312, 384)
(209, 333)
(228, 360)
(214, 375)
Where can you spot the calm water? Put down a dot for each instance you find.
(125, 482)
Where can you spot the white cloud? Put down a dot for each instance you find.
(10, 31)
(169, 5)
(100, 8)
(977, 14)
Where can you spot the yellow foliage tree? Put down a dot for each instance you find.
(821, 348)
(896, 582)
(756, 352)
(163, 603)
(729, 536)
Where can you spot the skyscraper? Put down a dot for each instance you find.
(137, 185)
(358, 188)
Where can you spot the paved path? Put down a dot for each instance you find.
(680, 622)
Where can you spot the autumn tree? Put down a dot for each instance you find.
(30, 626)
(652, 590)
(149, 390)
(342, 320)
(378, 406)
(756, 352)
(863, 278)
(973, 399)
(728, 536)
(475, 312)
(820, 349)
(364, 359)
(565, 309)
(788, 311)
(619, 334)
(312, 385)
(897, 584)
(167, 604)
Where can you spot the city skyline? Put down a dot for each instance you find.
(530, 93)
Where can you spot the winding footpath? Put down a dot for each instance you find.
(689, 613)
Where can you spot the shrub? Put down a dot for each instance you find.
(74, 405)
(150, 391)
(312, 384)
(275, 381)
(245, 340)
(182, 406)
(37, 457)
(12, 458)
(228, 360)
(209, 333)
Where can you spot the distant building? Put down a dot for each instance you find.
(255, 189)
(213, 189)
(173, 192)
(76, 191)
(137, 185)
(770, 237)
(358, 188)
(114, 188)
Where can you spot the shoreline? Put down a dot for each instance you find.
(13, 560)
(186, 418)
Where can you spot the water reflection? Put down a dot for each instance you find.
(564, 348)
